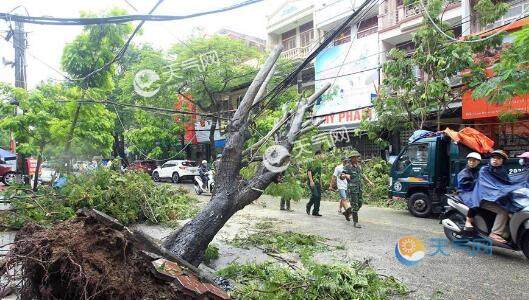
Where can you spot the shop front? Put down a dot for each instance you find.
(506, 124)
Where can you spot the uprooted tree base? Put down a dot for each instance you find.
(85, 259)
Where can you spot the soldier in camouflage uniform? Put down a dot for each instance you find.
(353, 173)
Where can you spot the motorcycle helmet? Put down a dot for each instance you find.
(204, 162)
(499, 153)
(219, 156)
(474, 155)
(524, 159)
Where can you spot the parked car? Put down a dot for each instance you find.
(8, 170)
(147, 166)
(176, 170)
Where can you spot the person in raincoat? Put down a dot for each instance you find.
(353, 173)
(497, 171)
(466, 180)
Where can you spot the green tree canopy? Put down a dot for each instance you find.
(148, 133)
(511, 72)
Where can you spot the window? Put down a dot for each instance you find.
(408, 47)
(516, 10)
(306, 34)
(367, 27)
(288, 39)
(189, 163)
(168, 165)
(344, 36)
(416, 154)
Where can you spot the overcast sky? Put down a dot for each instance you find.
(46, 42)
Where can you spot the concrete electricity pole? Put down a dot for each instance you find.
(20, 44)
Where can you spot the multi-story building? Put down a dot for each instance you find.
(292, 25)
(352, 62)
(347, 63)
(513, 135)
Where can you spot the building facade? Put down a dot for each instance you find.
(352, 62)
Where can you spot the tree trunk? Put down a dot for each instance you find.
(439, 112)
(39, 163)
(118, 149)
(212, 138)
(69, 137)
(191, 241)
(232, 193)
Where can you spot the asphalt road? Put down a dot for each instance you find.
(454, 275)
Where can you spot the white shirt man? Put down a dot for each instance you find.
(341, 184)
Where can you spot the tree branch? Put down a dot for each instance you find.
(276, 127)
(241, 115)
(262, 90)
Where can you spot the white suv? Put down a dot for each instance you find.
(175, 170)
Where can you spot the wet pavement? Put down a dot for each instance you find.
(446, 272)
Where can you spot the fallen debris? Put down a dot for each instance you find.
(95, 257)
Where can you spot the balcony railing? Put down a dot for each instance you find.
(394, 16)
(296, 53)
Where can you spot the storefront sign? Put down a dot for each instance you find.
(348, 117)
(202, 129)
(479, 108)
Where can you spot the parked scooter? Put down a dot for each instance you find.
(453, 221)
(199, 184)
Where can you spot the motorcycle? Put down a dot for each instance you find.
(453, 221)
(199, 184)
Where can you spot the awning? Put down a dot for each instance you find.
(6, 154)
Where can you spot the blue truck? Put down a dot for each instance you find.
(426, 169)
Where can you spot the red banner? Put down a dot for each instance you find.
(479, 108)
(188, 121)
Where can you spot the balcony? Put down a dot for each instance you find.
(397, 15)
(304, 39)
(393, 13)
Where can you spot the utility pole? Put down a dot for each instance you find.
(20, 44)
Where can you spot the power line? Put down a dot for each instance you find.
(283, 85)
(143, 107)
(117, 19)
(123, 49)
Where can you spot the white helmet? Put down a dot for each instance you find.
(474, 155)
(204, 162)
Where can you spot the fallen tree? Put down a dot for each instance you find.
(232, 193)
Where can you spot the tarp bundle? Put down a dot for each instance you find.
(421, 134)
(471, 138)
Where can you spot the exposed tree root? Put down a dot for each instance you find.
(83, 259)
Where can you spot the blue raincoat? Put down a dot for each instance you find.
(495, 185)
(466, 180)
